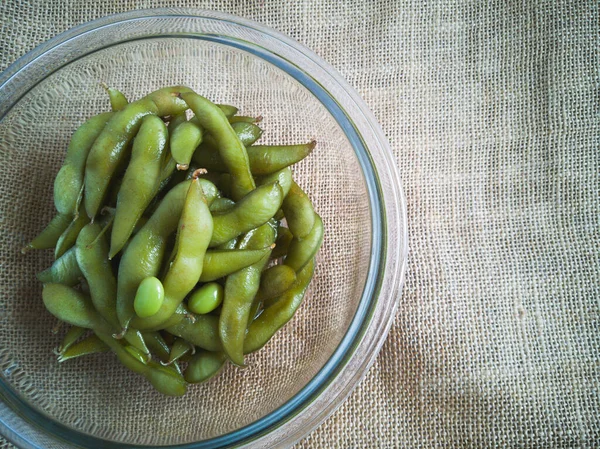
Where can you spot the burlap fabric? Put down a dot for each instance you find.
(491, 109)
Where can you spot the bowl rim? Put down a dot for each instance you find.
(295, 422)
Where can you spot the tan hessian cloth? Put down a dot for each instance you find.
(492, 111)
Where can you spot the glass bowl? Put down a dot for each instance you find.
(313, 363)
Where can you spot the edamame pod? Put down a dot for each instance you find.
(68, 238)
(252, 211)
(69, 305)
(110, 147)
(299, 212)
(262, 159)
(89, 345)
(283, 176)
(92, 258)
(184, 141)
(51, 233)
(118, 101)
(145, 251)
(193, 236)
(284, 238)
(141, 180)
(302, 250)
(201, 330)
(68, 183)
(221, 263)
(232, 151)
(274, 317)
(64, 270)
(72, 335)
(275, 281)
(240, 289)
(203, 366)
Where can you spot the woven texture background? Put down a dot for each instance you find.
(492, 111)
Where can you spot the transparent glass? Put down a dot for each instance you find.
(313, 363)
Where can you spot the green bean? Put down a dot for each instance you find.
(110, 147)
(141, 180)
(69, 305)
(301, 251)
(118, 101)
(68, 183)
(299, 212)
(149, 297)
(90, 345)
(72, 335)
(275, 281)
(180, 349)
(92, 258)
(252, 211)
(274, 317)
(231, 149)
(240, 289)
(221, 263)
(206, 298)
(283, 176)
(184, 140)
(51, 233)
(193, 236)
(200, 330)
(203, 366)
(64, 270)
(145, 252)
(262, 159)
(68, 238)
(284, 238)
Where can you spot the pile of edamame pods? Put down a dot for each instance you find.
(169, 242)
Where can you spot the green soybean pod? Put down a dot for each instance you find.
(69, 305)
(68, 238)
(157, 344)
(200, 330)
(254, 210)
(68, 183)
(144, 253)
(111, 146)
(141, 180)
(90, 345)
(51, 233)
(231, 149)
(299, 212)
(92, 258)
(239, 293)
(64, 270)
(284, 238)
(221, 263)
(118, 101)
(73, 334)
(183, 142)
(193, 236)
(228, 110)
(283, 177)
(301, 251)
(275, 281)
(149, 297)
(180, 349)
(277, 315)
(203, 366)
(206, 298)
